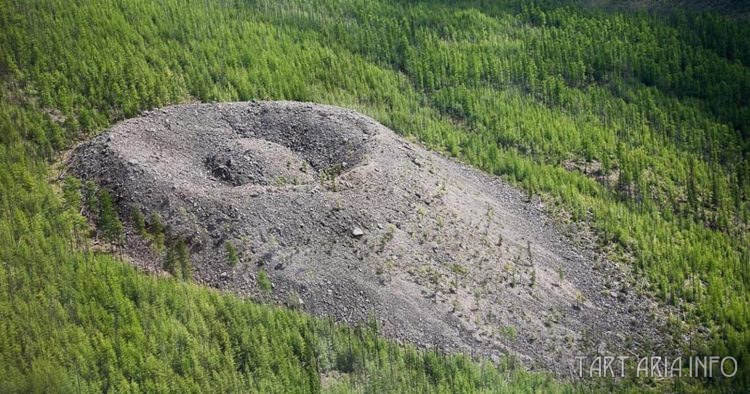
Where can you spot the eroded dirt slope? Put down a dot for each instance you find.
(351, 221)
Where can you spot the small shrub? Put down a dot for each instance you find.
(231, 253)
(264, 282)
(139, 222)
(458, 269)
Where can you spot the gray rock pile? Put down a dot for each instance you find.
(348, 220)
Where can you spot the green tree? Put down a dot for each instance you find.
(156, 229)
(139, 222)
(171, 262)
(109, 222)
(183, 257)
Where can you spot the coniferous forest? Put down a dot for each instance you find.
(635, 122)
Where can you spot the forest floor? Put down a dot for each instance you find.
(350, 221)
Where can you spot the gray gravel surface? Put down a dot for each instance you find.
(351, 221)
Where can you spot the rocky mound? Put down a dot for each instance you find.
(350, 221)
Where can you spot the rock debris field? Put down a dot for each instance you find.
(350, 221)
